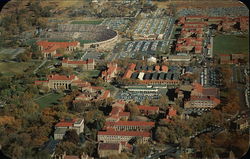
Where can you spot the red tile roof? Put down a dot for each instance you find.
(106, 94)
(64, 123)
(127, 74)
(125, 133)
(164, 68)
(58, 55)
(132, 66)
(121, 114)
(52, 46)
(171, 112)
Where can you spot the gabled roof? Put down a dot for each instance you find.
(64, 123)
(52, 46)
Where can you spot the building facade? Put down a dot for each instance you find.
(65, 125)
(85, 65)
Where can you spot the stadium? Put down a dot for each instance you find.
(90, 36)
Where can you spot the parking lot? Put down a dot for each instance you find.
(89, 55)
(196, 111)
(154, 26)
(133, 48)
(218, 11)
(135, 96)
(119, 24)
(238, 74)
(211, 77)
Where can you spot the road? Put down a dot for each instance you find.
(39, 66)
(165, 152)
(18, 51)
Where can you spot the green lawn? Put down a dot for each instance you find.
(89, 74)
(94, 22)
(86, 41)
(229, 44)
(48, 100)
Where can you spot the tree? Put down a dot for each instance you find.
(68, 147)
(133, 109)
(89, 148)
(185, 141)
(71, 136)
(142, 150)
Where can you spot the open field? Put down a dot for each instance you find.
(9, 53)
(93, 22)
(10, 68)
(48, 100)
(229, 44)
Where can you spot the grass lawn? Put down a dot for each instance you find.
(11, 68)
(94, 22)
(89, 74)
(48, 100)
(86, 41)
(229, 44)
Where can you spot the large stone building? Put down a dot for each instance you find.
(148, 110)
(64, 125)
(85, 65)
(110, 73)
(49, 49)
(130, 125)
(61, 81)
(107, 149)
(91, 93)
(117, 112)
(202, 97)
(112, 136)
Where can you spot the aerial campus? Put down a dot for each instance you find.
(150, 79)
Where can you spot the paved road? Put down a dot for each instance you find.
(43, 96)
(163, 153)
(39, 66)
(18, 51)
